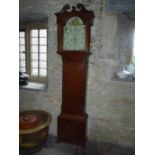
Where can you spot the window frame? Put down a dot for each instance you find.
(23, 30)
(27, 27)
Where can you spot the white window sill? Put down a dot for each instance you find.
(116, 78)
(126, 74)
(34, 86)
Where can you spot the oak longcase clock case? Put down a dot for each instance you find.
(74, 30)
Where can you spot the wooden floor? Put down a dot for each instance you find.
(92, 148)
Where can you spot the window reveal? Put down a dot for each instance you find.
(33, 52)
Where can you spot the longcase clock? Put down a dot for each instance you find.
(74, 30)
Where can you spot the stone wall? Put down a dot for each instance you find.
(110, 103)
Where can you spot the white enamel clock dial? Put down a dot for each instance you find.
(74, 35)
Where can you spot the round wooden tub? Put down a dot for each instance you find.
(33, 130)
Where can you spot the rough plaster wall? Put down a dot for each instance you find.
(110, 104)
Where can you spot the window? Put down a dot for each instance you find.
(22, 51)
(133, 54)
(33, 51)
(127, 71)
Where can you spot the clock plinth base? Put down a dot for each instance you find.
(72, 129)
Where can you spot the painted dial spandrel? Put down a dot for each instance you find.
(74, 34)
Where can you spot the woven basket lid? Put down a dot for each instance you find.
(32, 119)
